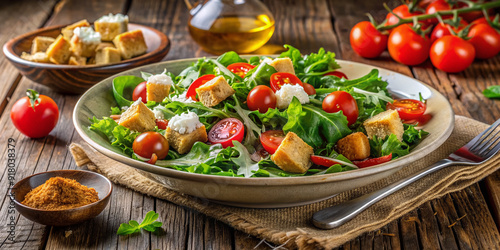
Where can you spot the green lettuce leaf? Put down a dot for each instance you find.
(119, 136)
(123, 86)
(229, 58)
(246, 166)
(492, 92)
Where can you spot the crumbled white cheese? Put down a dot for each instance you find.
(182, 98)
(134, 104)
(124, 108)
(267, 60)
(160, 79)
(285, 95)
(87, 35)
(185, 123)
(110, 18)
(158, 114)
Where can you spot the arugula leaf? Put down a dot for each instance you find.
(315, 126)
(193, 72)
(123, 85)
(273, 118)
(259, 75)
(149, 224)
(492, 92)
(208, 116)
(229, 58)
(390, 144)
(253, 131)
(246, 165)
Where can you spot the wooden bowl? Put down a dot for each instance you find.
(70, 79)
(66, 216)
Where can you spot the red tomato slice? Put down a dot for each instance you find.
(241, 69)
(281, 78)
(328, 162)
(373, 161)
(162, 124)
(337, 74)
(191, 92)
(408, 109)
(271, 140)
(226, 131)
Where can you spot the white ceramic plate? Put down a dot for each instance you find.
(278, 191)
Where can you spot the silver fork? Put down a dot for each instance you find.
(477, 151)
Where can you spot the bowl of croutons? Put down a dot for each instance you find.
(72, 58)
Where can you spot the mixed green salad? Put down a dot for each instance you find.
(246, 158)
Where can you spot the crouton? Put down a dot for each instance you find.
(283, 65)
(384, 124)
(59, 51)
(103, 45)
(354, 146)
(111, 25)
(37, 57)
(182, 143)
(214, 91)
(138, 117)
(67, 31)
(77, 60)
(293, 154)
(130, 44)
(158, 87)
(41, 43)
(85, 41)
(107, 55)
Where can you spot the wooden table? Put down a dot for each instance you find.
(307, 25)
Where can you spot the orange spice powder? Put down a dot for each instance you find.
(59, 193)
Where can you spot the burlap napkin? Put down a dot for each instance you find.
(292, 226)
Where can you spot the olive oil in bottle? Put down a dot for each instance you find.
(242, 34)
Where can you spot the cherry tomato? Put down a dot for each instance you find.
(373, 161)
(408, 47)
(337, 74)
(408, 109)
(271, 140)
(162, 123)
(341, 100)
(482, 20)
(281, 78)
(367, 41)
(421, 121)
(241, 68)
(452, 54)
(403, 12)
(261, 98)
(443, 30)
(470, 16)
(439, 5)
(140, 91)
(149, 143)
(309, 89)
(485, 39)
(226, 131)
(34, 115)
(191, 92)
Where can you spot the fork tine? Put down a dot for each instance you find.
(485, 145)
(494, 150)
(483, 135)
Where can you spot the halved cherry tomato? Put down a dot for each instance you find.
(162, 123)
(337, 74)
(308, 88)
(241, 69)
(149, 143)
(420, 121)
(341, 100)
(328, 162)
(226, 131)
(261, 98)
(281, 78)
(191, 92)
(408, 109)
(271, 140)
(373, 161)
(140, 91)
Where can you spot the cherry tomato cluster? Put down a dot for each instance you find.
(451, 43)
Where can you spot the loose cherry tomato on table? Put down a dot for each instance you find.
(151, 145)
(140, 91)
(162, 123)
(373, 161)
(337, 74)
(191, 91)
(341, 100)
(408, 109)
(34, 115)
(452, 54)
(408, 47)
(271, 140)
(281, 78)
(442, 29)
(261, 98)
(241, 68)
(485, 39)
(226, 131)
(367, 41)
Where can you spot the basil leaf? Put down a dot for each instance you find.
(123, 85)
(492, 92)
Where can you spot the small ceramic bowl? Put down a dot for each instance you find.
(70, 79)
(67, 216)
